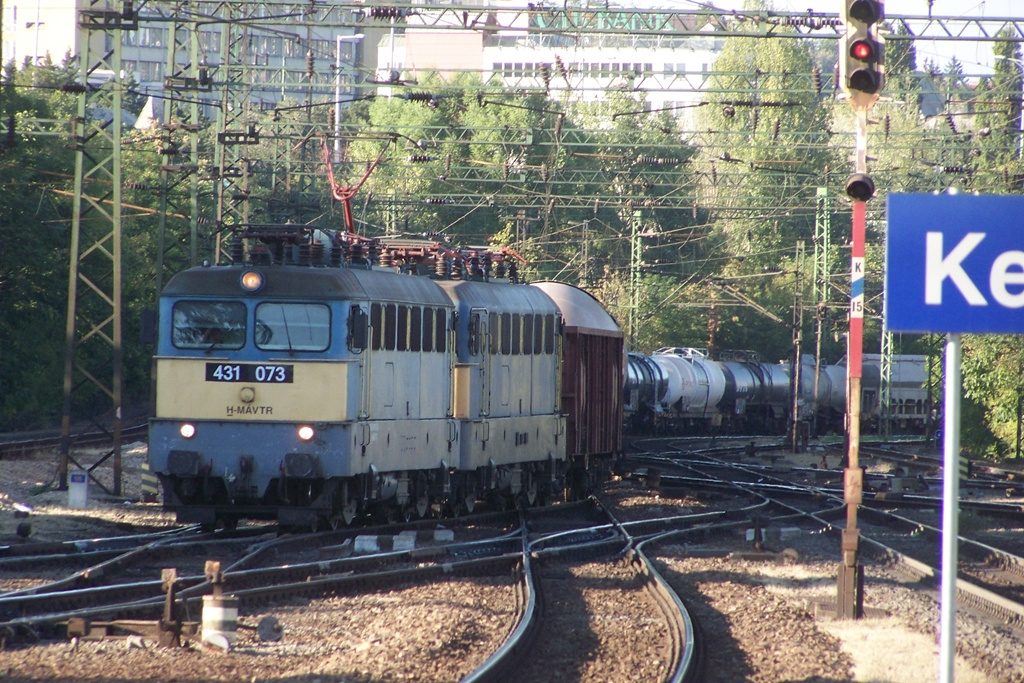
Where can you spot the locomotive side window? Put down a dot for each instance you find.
(403, 328)
(415, 328)
(376, 323)
(549, 334)
(527, 334)
(440, 331)
(517, 324)
(506, 334)
(474, 334)
(494, 331)
(390, 324)
(538, 334)
(357, 329)
(208, 325)
(428, 329)
(293, 327)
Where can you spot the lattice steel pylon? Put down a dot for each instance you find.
(186, 77)
(93, 343)
(822, 284)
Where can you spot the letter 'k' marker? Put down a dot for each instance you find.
(937, 268)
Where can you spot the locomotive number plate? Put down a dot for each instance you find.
(249, 372)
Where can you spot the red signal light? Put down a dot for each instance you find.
(862, 50)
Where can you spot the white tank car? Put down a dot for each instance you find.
(702, 382)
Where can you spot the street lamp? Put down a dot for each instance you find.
(1020, 107)
(337, 91)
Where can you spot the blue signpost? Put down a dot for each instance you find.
(954, 264)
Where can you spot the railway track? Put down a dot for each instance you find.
(539, 560)
(20, 445)
(990, 578)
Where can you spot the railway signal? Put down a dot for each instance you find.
(862, 52)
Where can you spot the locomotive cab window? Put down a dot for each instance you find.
(208, 325)
(293, 327)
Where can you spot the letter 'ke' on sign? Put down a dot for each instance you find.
(954, 263)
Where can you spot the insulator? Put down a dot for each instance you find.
(954, 169)
(887, 126)
(505, 171)
(816, 79)
(305, 255)
(775, 129)
(560, 66)
(755, 115)
(951, 123)
(338, 252)
(728, 111)
(513, 273)
(371, 252)
(437, 200)
(418, 96)
(385, 259)
(419, 158)
(456, 270)
(237, 249)
(355, 254)
(309, 62)
(387, 12)
(501, 270)
(204, 76)
(316, 252)
(714, 175)
(544, 172)
(447, 163)
(545, 74)
(440, 267)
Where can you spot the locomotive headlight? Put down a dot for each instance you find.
(251, 281)
(306, 432)
(187, 430)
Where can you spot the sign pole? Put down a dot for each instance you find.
(950, 509)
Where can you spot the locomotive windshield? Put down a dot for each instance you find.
(209, 325)
(293, 327)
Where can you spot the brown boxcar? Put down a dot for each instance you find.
(592, 373)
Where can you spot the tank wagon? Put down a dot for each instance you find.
(322, 377)
(682, 390)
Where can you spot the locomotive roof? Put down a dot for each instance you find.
(579, 308)
(499, 297)
(303, 282)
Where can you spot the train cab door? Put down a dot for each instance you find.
(480, 351)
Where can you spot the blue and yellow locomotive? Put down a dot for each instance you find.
(304, 384)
